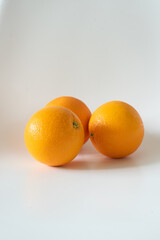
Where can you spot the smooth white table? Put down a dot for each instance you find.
(92, 197)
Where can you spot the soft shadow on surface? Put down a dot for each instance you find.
(90, 159)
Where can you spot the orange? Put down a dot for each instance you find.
(76, 106)
(54, 136)
(116, 129)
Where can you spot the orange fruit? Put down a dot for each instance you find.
(76, 106)
(54, 136)
(116, 129)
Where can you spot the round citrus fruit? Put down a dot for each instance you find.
(76, 106)
(116, 129)
(54, 136)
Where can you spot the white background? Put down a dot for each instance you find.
(96, 51)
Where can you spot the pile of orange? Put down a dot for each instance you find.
(55, 134)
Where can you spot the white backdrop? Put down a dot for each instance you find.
(96, 51)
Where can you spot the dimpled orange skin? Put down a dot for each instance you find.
(54, 136)
(116, 129)
(76, 106)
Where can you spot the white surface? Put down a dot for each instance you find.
(96, 51)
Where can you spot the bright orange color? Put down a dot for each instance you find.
(54, 136)
(116, 129)
(76, 106)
